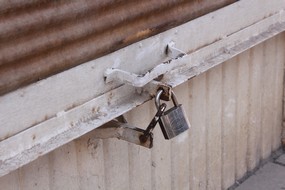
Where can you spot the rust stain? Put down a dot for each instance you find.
(138, 35)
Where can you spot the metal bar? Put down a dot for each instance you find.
(122, 131)
(178, 59)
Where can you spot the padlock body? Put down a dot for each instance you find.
(174, 122)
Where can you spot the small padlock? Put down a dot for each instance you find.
(173, 121)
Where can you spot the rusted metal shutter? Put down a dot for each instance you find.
(40, 38)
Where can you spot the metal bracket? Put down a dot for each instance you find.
(123, 131)
(174, 52)
(136, 80)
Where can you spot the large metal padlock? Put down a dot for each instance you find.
(173, 121)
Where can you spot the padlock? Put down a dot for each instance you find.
(173, 121)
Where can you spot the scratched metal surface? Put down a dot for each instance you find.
(39, 38)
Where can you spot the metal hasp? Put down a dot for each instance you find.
(136, 80)
(174, 52)
(120, 129)
(173, 121)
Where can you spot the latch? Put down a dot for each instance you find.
(136, 80)
(119, 128)
(172, 123)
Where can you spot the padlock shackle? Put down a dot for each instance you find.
(174, 99)
(157, 98)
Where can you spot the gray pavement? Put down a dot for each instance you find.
(270, 177)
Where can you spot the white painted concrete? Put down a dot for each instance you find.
(207, 158)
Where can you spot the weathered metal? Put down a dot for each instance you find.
(122, 131)
(42, 38)
(148, 132)
(173, 121)
(140, 80)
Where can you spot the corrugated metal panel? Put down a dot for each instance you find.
(41, 38)
(236, 114)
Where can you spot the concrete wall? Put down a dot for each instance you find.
(236, 114)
